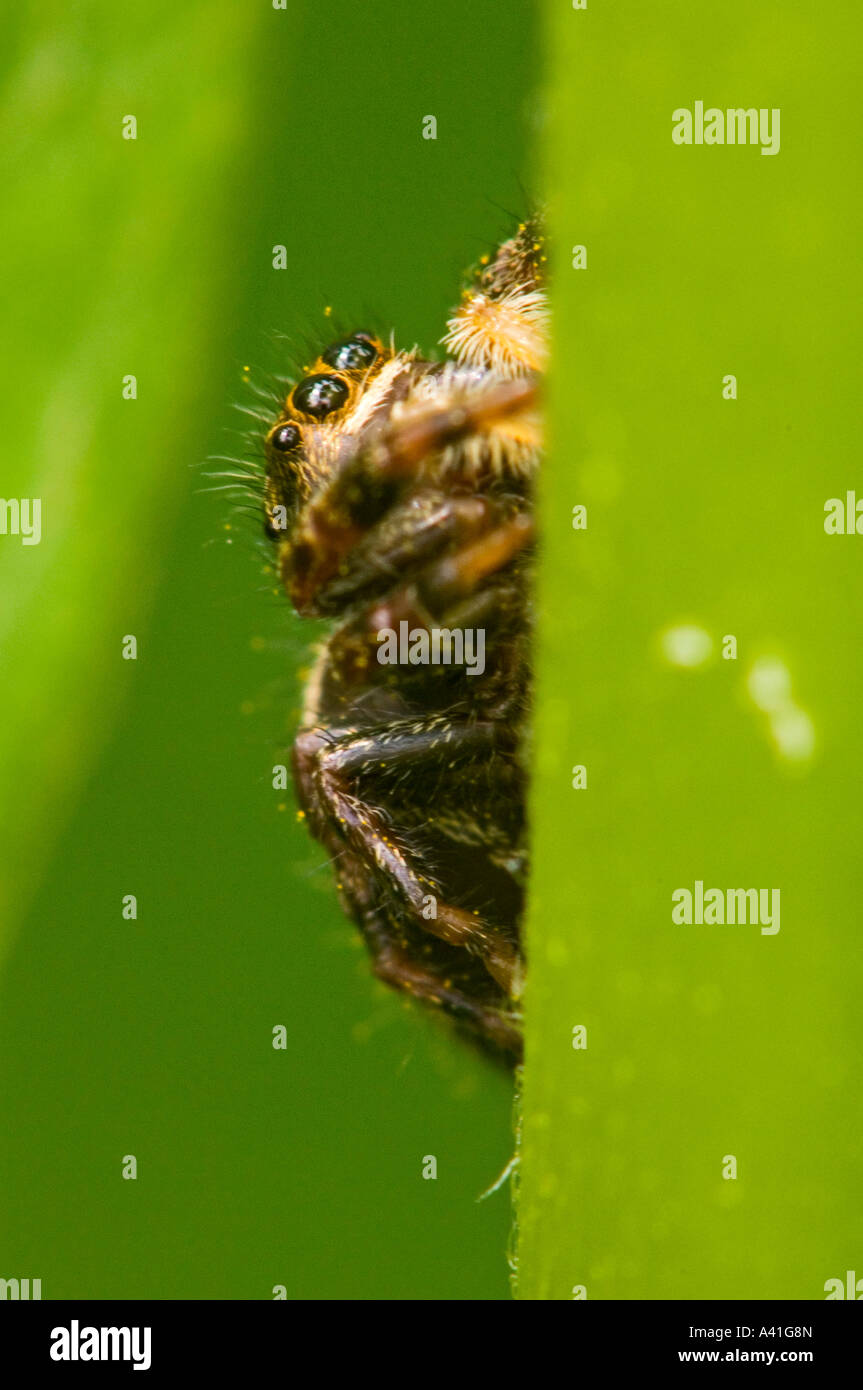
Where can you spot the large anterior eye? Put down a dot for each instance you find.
(351, 354)
(320, 395)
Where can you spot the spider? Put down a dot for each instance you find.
(399, 491)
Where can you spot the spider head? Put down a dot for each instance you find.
(341, 402)
(339, 397)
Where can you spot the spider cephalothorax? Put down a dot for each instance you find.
(400, 493)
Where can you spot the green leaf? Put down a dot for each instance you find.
(703, 1041)
(105, 240)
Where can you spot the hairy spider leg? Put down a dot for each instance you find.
(498, 1027)
(369, 484)
(413, 533)
(445, 591)
(326, 775)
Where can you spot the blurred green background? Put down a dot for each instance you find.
(703, 1041)
(256, 1167)
(303, 1168)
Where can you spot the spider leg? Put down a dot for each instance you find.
(414, 532)
(411, 440)
(368, 484)
(456, 576)
(449, 591)
(394, 966)
(327, 772)
(391, 964)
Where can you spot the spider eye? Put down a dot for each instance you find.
(320, 395)
(351, 354)
(286, 438)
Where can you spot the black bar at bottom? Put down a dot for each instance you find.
(84, 1338)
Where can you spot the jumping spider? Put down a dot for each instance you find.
(400, 490)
